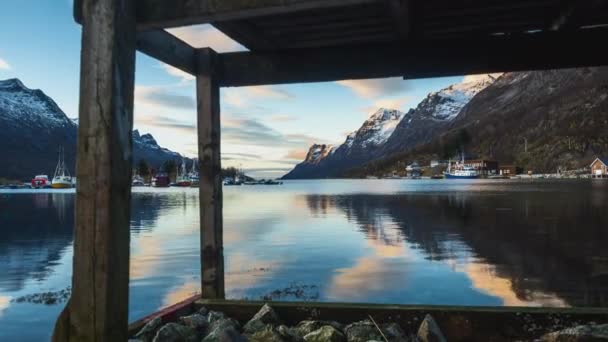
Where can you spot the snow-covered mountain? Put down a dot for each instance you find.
(390, 130)
(33, 128)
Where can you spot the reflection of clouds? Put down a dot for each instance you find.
(486, 279)
(244, 271)
(369, 275)
(4, 303)
(181, 292)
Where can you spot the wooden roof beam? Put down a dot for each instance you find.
(168, 49)
(539, 51)
(401, 12)
(164, 14)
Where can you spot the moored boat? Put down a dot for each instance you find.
(160, 180)
(40, 182)
(137, 181)
(183, 178)
(194, 178)
(61, 178)
(461, 171)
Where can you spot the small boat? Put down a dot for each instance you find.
(137, 181)
(467, 172)
(40, 182)
(160, 180)
(194, 178)
(62, 178)
(462, 171)
(183, 178)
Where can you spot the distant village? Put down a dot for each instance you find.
(486, 168)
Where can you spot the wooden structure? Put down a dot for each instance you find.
(483, 166)
(289, 41)
(599, 168)
(510, 170)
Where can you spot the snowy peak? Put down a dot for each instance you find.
(318, 152)
(376, 129)
(448, 102)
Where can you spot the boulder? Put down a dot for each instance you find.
(196, 321)
(228, 334)
(203, 311)
(266, 316)
(213, 316)
(362, 331)
(147, 333)
(173, 332)
(394, 333)
(429, 331)
(289, 334)
(269, 334)
(579, 334)
(223, 329)
(325, 334)
(306, 327)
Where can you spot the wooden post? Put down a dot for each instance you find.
(98, 307)
(210, 191)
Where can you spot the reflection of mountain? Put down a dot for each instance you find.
(35, 232)
(543, 242)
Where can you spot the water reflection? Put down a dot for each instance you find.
(417, 242)
(527, 248)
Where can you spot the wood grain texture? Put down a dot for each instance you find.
(168, 49)
(210, 190)
(98, 307)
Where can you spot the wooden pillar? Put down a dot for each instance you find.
(98, 307)
(210, 191)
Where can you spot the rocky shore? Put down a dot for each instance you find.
(266, 325)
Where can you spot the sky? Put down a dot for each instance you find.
(266, 130)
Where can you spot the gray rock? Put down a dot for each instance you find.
(394, 333)
(579, 334)
(289, 334)
(147, 333)
(223, 329)
(362, 331)
(228, 334)
(173, 332)
(269, 334)
(325, 334)
(306, 327)
(203, 311)
(266, 316)
(213, 316)
(429, 331)
(196, 321)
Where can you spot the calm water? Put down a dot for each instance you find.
(514, 243)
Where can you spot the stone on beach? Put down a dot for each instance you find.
(173, 332)
(429, 331)
(147, 333)
(325, 334)
(362, 331)
(306, 327)
(195, 321)
(266, 316)
(581, 333)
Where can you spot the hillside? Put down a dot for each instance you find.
(540, 120)
(33, 128)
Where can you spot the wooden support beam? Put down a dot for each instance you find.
(164, 14)
(98, 307)
(246, 34)
(401, 12)
(210, 190)
(437, 58)
(168, 49)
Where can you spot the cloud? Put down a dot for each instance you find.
(388, 103)
(376, 87)
(166, 122)
(4, 65)
(283, 118)
(241, 97)
(200, 36)
(296, 154)
(173, 71)
(162, 97)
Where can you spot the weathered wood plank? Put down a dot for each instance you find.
(98, 307)
(164, 14)
(435, 58)
(168, 49)
(210, 190)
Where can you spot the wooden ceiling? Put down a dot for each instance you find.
(285, 24)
